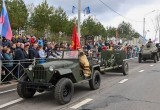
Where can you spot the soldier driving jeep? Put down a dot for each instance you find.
(84, 63)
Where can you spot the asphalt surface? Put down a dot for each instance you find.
(137, 91)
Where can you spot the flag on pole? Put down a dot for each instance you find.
(73, 9)
(88, 10)
(75, 39)
(5, 28)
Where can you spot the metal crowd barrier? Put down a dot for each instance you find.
(18, 67)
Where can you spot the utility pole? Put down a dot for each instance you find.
(144, 21)
(159, 35)
(144, 27)
(79, 18)
(159, 26)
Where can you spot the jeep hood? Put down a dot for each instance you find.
(58, 64)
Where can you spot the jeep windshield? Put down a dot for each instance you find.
(70, 55)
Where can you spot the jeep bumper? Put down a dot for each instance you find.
(37, 85)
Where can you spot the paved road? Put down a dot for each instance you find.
(137, 91)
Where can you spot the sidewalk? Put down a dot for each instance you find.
(11, 83)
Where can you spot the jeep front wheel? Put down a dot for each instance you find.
(63, 91)
(23, 91)
(95, 82)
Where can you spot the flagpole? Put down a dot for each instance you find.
(79, 18)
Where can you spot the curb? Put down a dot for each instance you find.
(8, 85)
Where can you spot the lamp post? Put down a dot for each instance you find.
(144, 33)
(79, 18)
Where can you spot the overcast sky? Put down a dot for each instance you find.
(133, 10)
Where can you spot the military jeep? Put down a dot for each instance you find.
(149, 52)
(58, 75)
(114, 60)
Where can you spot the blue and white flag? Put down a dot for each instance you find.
(73, 9)
(88, 10)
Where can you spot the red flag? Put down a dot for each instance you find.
(75, 39)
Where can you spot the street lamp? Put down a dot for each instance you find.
(144, 35)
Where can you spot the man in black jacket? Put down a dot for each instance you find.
(33, 53)
(19, 55)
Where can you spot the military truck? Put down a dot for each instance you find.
(58, 75)
(114, 60)
(149, 52)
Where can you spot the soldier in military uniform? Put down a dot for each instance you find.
(84, 63)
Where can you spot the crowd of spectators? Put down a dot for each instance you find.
(94, 50)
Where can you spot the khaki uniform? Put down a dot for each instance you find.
(84, 63)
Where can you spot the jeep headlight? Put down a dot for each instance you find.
(51, 68)
(30, 67)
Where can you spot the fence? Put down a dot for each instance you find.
(16, 71)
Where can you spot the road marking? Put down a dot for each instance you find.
(10, 103)
(81, 103)
(7, 91)
(123, 81)
(141, 71)
(15, 101)
(151, 65)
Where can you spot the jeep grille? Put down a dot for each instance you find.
(39, 73)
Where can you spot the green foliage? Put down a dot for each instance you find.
(125, 30)
(45, 18)
(41, 17)
(91, 27)
(69, 27)
(111, 31)
(58, 21)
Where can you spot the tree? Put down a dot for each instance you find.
(111, 31)
(91, 27)
(136, 35)
(69, 26)
(41, 17)
(59, 21)
(125, 30)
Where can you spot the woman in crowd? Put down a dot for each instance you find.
(8, 65)
(42, 54)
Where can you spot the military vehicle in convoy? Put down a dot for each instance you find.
(58, 75)
(114, 60)
(149, 52)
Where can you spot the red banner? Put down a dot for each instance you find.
(75, 39)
